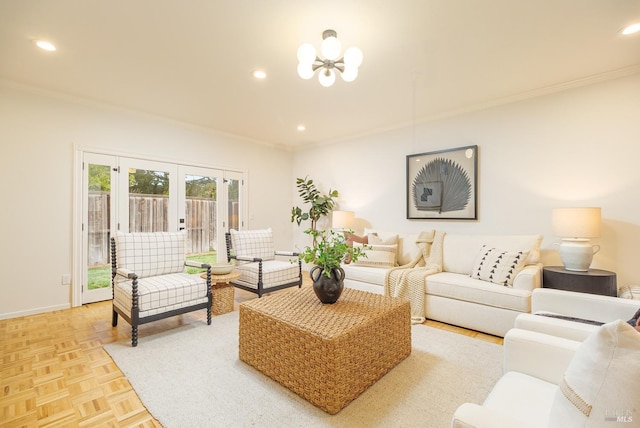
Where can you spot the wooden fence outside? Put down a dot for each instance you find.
(148, 213)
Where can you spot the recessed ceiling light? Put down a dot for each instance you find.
(301, 128)
(259, 74)
(631, 29)
(45, 45)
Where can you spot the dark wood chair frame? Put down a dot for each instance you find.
(260, 290)
(135, 319)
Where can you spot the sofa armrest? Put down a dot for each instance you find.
(536, 354)
(529, 278)
(473, 415)
(583, 305)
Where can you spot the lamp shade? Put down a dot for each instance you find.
(342, 219)
(580, 222)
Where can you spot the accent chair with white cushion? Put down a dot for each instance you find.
(555, 382)
(149, 280)
(255, 256)
(571, 314)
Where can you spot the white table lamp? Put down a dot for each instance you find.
(575, 226)
(342, 219)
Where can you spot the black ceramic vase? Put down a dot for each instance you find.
(327, 289)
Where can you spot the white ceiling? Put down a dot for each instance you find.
(191, 60)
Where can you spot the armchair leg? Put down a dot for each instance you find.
(209, 314)
(114, 318)
(134, 335)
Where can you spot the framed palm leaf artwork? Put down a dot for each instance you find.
(443, 184)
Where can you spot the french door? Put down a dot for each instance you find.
(137, 195)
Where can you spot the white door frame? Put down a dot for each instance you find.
(79, 209)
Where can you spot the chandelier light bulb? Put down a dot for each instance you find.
(327, 77)
(349, 74)
(331, 48)
(306, 53)
(353, 57)
(305, 71)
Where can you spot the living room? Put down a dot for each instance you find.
(569, 142)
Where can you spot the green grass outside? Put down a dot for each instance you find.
(100, 276)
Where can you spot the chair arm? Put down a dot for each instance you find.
(246, 259)
(195, 264)
(473, 415)
(536, 354)
(583, 305)
(126, 273)
(287, 253)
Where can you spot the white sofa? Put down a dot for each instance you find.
(452, 296)
(583, 306)
(553, 382)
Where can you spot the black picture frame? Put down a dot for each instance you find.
(443, 185)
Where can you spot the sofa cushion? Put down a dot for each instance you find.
(462, 287)
(460, 251)
(498, 266)
(601, 383)
(366, 274)
(274, 272)
(525, 398)
(162, 293)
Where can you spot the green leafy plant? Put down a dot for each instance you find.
(320, 204)
(330, 250)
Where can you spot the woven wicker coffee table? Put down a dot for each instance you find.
(327, 354)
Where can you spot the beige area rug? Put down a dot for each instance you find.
(191, 377)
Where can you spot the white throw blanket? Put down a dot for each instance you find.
(409, 281)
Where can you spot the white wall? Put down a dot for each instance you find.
(580, 147)
(39, 131)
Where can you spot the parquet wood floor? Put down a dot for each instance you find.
(54, 371)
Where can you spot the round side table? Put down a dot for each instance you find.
(594, 281)
(222, 293)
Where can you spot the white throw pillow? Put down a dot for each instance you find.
(383, 256)
(498, 266)
(602, 383)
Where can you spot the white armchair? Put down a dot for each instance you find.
(552, 311)
(149, 281)
(555, 382)
(257, 261)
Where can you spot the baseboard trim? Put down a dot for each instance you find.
(34, 311)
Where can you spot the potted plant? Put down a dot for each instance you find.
(321, 205)
(327, 255)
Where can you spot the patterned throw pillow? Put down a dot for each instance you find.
(498, 266)
(383, 256)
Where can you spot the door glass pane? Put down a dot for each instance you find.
(148, 200)
(200, 218)
(233, 204)
(98, 226)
